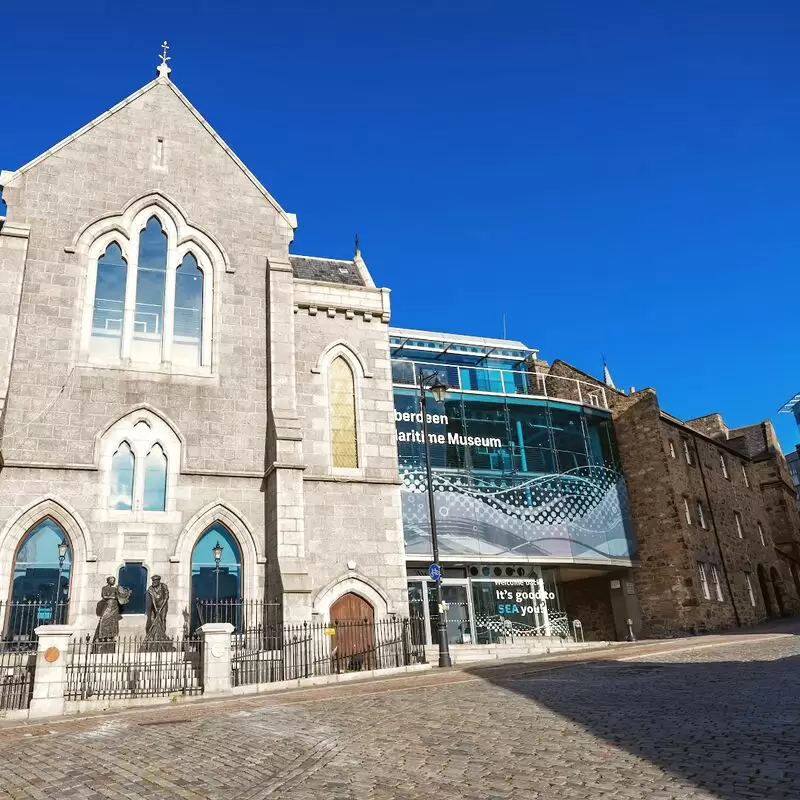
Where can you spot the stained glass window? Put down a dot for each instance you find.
(344, 443)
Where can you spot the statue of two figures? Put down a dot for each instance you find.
(114, 598)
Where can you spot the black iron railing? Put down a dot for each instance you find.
(132, 666)
(20, 619)
(264, 651)
(16, 675)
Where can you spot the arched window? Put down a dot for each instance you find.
(40, 581)
(121, 488)
(109, 304)
(216, 587)
(155, 480)
(344, 434)
(149, 296)
(148, 323)
(187, 338)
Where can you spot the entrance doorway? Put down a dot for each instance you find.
(353, 647)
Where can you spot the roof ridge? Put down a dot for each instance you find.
(290, 219)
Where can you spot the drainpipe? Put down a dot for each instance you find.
(716, 537)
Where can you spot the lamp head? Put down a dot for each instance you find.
(62, 549)
(217, 550)
(439, 389)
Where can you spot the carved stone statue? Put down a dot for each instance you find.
(109, 609)
(157, 605)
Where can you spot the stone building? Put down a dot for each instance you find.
(172, 378)
(715, 516)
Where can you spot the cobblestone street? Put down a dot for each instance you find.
(707, 722)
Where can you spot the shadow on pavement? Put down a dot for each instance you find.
(731, 728)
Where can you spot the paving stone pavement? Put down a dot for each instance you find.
(714, 722)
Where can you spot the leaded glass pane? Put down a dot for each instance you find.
(155, 480)
(188, 332)
(109, 305)
(121, 490)
(148, 324)
(343, 415)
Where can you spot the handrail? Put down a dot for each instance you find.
(505, 382)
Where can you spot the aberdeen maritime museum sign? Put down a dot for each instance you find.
(450, 437)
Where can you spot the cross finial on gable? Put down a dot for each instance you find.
(163, 69)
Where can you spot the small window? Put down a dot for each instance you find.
(672, 449)
(701, 568)
(715, 581)
(724, 467)
(133, 576)
(122, 470)
(750, 588)
(687, 453)
(701, 517)
(761, 534)
(686, 512)
(738, 519)
(155, 480)
(744, 475)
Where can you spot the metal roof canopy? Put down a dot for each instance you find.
(437, 344)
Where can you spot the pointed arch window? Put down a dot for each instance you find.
(149, 294)
(151, 277)
(155, 480)
(187, 339)
(109, 303)
(344, 432)
(40, 576)
(122, 474)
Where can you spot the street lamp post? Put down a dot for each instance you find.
(217, 550)
(62, 554)
(438, 389)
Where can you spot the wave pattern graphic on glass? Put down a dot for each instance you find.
(148, 323)
(188, 330)
(109, 305)
(579, 513)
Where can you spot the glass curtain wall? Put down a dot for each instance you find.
(513, 477)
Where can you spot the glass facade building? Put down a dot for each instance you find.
(526, 483)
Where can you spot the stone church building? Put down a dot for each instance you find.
(172, 378)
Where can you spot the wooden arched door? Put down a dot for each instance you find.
(353, 646)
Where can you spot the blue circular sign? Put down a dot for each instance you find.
(434, 572)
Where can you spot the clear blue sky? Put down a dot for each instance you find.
(614, 177)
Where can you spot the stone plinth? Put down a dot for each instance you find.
(217, 657)
(50, 678)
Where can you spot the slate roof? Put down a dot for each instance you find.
(329, 270)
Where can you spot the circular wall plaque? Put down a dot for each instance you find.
(217, 651)
(51, 654)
